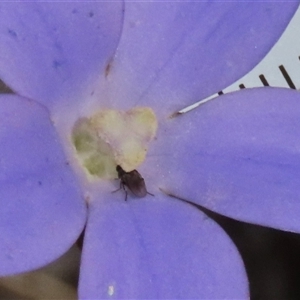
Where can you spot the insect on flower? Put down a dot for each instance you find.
(134, 182)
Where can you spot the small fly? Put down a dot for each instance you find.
(134, 182)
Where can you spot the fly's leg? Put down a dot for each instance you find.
(121, 185)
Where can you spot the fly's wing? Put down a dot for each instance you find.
(135, 183)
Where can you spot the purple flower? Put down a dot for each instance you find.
(237, 155)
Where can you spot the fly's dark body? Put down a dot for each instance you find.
(134, 182)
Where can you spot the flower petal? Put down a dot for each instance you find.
(54, 52)
(42, 210)
(190, 49)
(157, 248)
(238, 155)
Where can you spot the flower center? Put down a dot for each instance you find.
(110, 138)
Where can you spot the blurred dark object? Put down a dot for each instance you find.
(271, 257)
(58, 280)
